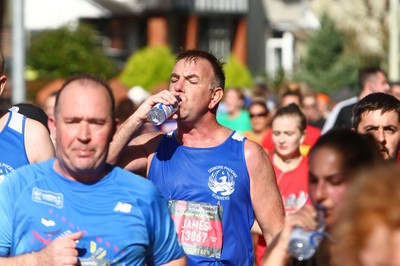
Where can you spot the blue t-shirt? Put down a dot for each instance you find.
(12, 143)
(123, 217)
(208, 190)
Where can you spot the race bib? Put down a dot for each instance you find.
(93, 262)
(199, 227)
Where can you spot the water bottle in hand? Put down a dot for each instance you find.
(302, 243)
(160, 112)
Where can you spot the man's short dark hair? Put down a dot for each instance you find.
(375, 101)
(365, 74)
(216, 64)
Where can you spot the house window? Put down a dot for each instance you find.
(216, 37)
(280, 54)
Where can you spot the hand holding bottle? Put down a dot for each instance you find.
(303, 243)
(160, 112)
(165, 97)
(278, 253)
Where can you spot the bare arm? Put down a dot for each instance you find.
(26, 259)
(177, 262)
(137, 154)
(120, 155)
(122, 137)
(277, 253)
(61, 251)
(38, 144)
(265, 195)
(256, 228)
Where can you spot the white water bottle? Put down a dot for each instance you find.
(160, 112)
(302, 243)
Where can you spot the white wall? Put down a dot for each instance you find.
(41, 14)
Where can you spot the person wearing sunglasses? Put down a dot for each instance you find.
(259, 119)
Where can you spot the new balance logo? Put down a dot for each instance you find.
(123, 207)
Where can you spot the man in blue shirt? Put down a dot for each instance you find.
(216, 181)
(76, 208)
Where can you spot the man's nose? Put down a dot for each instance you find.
(178, 85)
(380, 136)
(84, 132)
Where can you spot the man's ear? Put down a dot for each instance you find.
(3, 81)
(51, 123)
(216, 97)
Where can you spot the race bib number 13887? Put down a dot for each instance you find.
(199, 227)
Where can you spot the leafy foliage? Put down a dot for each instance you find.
(327, 67)
(148, 67)
(237, 75)
(62, 52)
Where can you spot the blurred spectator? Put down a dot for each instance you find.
(259, 118)
(124, 109)
(369, 228)
(236, 117)
(395, 89)
(312, 134)
(323, 102)
(48, 104)
(370, 80)
(288, 132)
(291, 96)
(261, 90)
(311, 111)
(48, 107)
(332, 163)
(291, 168)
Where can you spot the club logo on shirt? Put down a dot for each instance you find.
(221, 181)
(48, 197)
(4, 170)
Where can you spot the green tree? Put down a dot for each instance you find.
(62, 52)
(327, 67)
(237, 75)
(148, 67)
